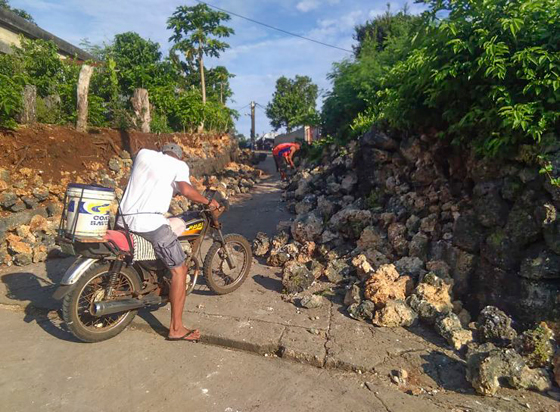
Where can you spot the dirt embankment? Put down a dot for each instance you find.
(53, 150)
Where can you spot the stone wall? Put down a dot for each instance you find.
(494, 222)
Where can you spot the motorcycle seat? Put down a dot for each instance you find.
(119, 239)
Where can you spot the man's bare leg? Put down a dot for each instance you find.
(177, 297)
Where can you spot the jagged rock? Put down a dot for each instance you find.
(261, 244)
(296, 277)
(521, 225)
(450, 328)
(411, 266)
(280, 239)
(349, 182)
(350, 221)
(540, 263)
(379, 140)
(386, 284)
(468, 234)
(363, 268)
(325, 207)
(429, 224)
(39, 254)
(337, 270)
(328, 236)
(308, 203)
(8, 199)
(418, 246)
(311, 301)
(413, 225)
(115, 164)
(353, 295)
(362, 311)
(307, 227)
(376, 258)
(551, 229)
(30, 202)
(370, 238)
(536, 346)
(431, 298)
(395, 313)
(303, 187)
(316, 268)
(491, 210)
(306, 252)
(5, 175)
(41, 193)
(279, 257)
(397, 238)
(411, 149)
(500, 250)
(439, 267)
(488, 366)
(494, 326)
(23, 259)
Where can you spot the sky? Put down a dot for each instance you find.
(257, 56)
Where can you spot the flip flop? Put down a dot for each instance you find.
(185, 336)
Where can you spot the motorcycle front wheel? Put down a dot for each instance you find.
(220, 277)
(91, 288)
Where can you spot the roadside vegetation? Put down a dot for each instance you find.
(182, 94)
(481, 74)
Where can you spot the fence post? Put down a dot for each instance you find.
(28, 113)
(141, 105)
(83, 89)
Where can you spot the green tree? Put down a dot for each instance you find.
(293, 103)
(4, 4)
(196, 33)
(217, 80)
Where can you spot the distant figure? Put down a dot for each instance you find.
(284, 157)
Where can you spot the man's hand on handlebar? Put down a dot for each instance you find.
(213, 205)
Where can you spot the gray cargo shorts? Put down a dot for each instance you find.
(166, 246)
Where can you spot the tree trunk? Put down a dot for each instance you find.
(202, 80)
(83, 89)
(28, 113)
(141, 105)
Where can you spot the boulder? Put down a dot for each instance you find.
(337, 270)
(431, 298)
(350, 221)
(468, 234)
(411, 266)
(450, 328)
(279, 257)
(494, 326)
(536, 346)
(325, 207)
(308, 203)
(296, 277)
(353, 295)
(396, 233)
(379, 140)
(362, 311)
(363, 268)
(387, 284)
(371, 238)
(41, 193)
(540, 263)
(395, 313)
(418, 246)
(348, 183)
(488, 367)
(261, 244)
(491, 210)
(307, 227)
(316, 268)
(115, 164)
(281, 239)
(8, 199)
(311, 301)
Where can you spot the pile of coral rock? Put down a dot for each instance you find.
(31, 207)
(377, 220)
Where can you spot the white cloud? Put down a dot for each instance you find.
(307, 5)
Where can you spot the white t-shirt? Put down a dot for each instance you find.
(150, 189)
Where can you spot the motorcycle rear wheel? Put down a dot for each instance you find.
(220, 278)
(91, 288)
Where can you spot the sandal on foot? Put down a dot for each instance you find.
(185, 337)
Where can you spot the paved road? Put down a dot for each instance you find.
(138, 371)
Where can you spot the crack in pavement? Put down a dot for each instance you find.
(328, 335)
(382, 402)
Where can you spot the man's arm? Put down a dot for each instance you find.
(293, 150)
(191, 193)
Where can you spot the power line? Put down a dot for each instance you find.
(276, 28)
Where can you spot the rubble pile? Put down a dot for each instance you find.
(30, 206)
(411, 229)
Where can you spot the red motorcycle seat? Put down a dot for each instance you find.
(118, 238)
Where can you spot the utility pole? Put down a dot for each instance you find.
(253, 125)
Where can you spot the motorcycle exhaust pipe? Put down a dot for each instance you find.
(124, 305)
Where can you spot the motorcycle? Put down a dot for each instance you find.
(113, 277)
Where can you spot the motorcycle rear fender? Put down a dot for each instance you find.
(72, 275)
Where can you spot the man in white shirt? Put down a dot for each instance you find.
(155, 177)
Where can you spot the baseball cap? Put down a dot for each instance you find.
(173, 148)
